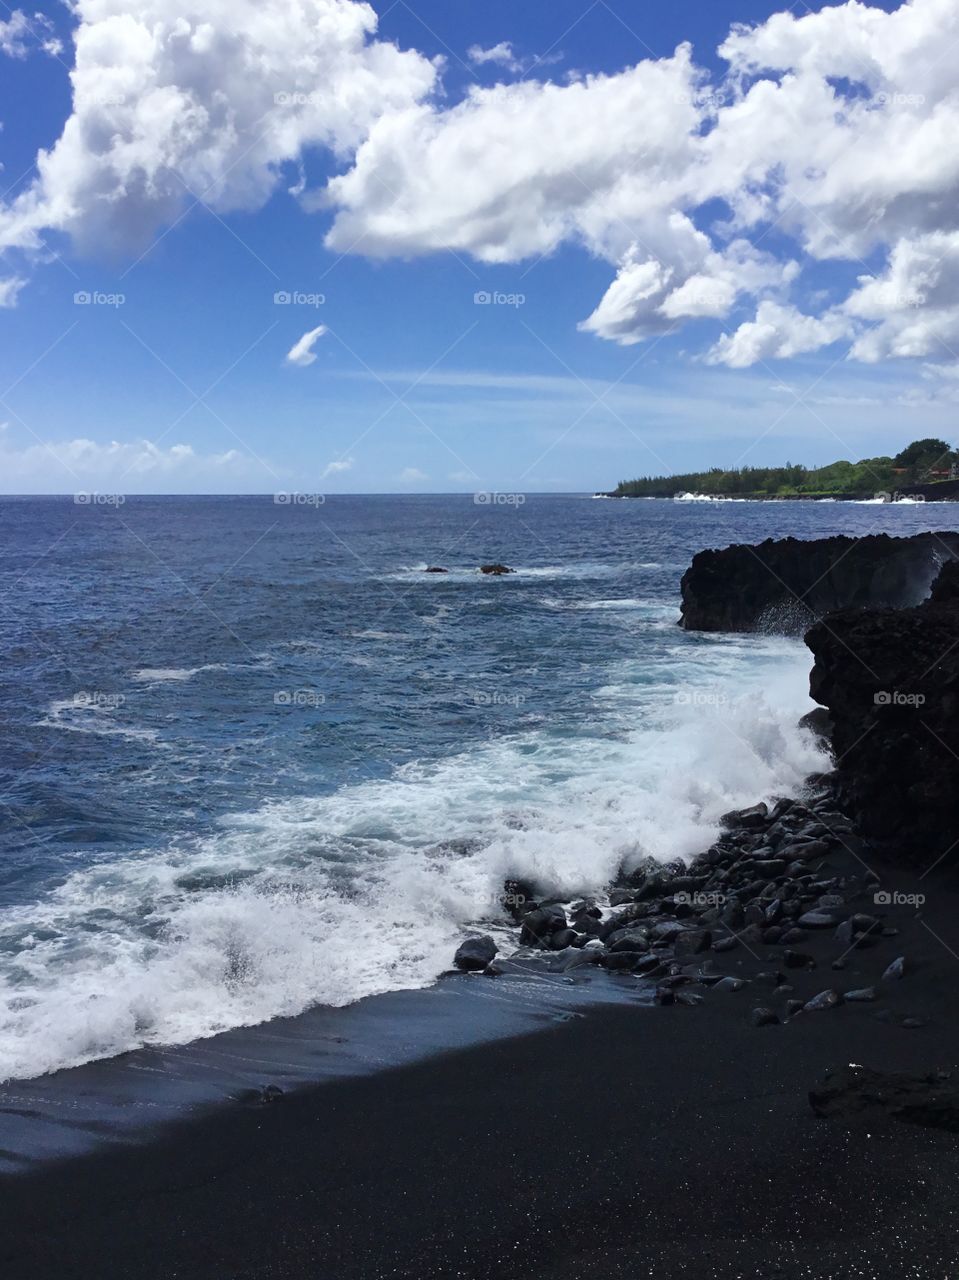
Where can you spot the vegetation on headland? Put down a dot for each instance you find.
(922, 462)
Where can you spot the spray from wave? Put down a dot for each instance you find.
(326, 901)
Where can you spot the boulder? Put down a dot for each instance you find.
(496, 570)
(475, 954)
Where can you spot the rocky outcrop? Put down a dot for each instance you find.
(890, 679)
(784, 586)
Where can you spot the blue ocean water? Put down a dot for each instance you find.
(255, 759)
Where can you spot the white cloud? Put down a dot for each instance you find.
(10, 290)
(836, 129)
(137, 466)
(20, 35)
(336, 468)
(412, 475)
(777, 333)
(502, 54)
(204, 96)
(301, 353)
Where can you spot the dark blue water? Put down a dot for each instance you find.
(254, 759)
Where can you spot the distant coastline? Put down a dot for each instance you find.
(924, 471)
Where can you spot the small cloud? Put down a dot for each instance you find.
(10, 290)
(301, 353)
(20, 35)
(502, 55)
(412, 475)
(460, 477)
(335, 468)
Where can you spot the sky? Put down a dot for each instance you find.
(261, 246)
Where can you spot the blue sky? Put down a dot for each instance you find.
(174, 376)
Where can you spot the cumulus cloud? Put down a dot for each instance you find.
(412, 475)
(174, 99)
(834, 128)
(835, 131)
(301, 353)
(777, 333)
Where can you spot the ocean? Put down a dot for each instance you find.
(256, 761)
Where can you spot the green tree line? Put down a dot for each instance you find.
(922, 462)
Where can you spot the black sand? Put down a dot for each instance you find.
(627, 1142)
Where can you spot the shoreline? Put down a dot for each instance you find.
(652, 1141)
(678, 1138)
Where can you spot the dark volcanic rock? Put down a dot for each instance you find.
(785, 585)
(475, 954)
(852, 1091)
(496, 570)
(891, 682)
(435, 569)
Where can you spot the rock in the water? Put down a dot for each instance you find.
(475, 954)
(496, 570)
(857, 1091)
(435, 569)
(756, 816)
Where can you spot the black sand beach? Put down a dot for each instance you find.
(626, 1142)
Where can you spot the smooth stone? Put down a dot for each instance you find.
(896, 970)
(861, 995)
(475, 954)
(825, 1000)
(763, 1017)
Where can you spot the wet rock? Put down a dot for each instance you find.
(562, 939)
(798, 960)
(729, 984)
(862, 995)
(539, 925)
(725, 944)
(435, 569)
(896, 970)
(475, 954)
(692, 941)
(817, 920)
(825, 1000)
(746, 819)
(497, 570)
